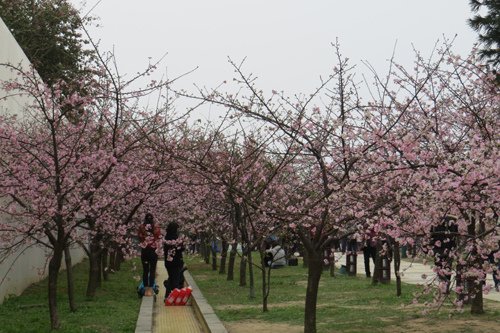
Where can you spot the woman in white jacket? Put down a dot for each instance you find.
(276, 254)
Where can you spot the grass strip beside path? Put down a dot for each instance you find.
(345, 304)
(114, 308)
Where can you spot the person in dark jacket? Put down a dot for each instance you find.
(491, 214)
(369, 249)
(173, 248)
(443, 242)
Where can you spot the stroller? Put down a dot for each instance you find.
(141, 290)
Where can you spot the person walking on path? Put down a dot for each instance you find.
(491, 215)
(369, 249)
(149, 237)
(173, 248)
(443, 242)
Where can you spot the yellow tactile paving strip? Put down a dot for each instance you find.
(172, 319)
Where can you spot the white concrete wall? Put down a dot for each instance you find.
(24, 268)
(17, 275)
(11, 53)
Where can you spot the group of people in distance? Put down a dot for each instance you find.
(493, 216)
(442, 243)
(444, 238)
(366, 240)
(150, 239)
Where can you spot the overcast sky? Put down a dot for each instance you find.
(286, 43)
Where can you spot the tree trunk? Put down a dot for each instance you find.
(331, 261)
(232, 254)
(232, 260)
(222, 269)
(397, 267)
(69, 275)
(112, 256)
(205, 248)
(305, 260)
(243, 271)
(476, 287)
(99, 267)
(250, 273)
(266, 276)
(94, 272)
(376, 269)
(118, 260)
(477, 301)
(104, 265)
(54, 267)
(214, 257)
(314, 275)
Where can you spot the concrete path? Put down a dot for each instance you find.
(172, 319)
(197, 316)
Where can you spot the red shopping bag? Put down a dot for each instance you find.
(180, 296)
(172, 297)
(187, 293)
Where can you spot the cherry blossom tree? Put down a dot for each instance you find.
(401, 162)
(50, 34)
(331, 178)
(58, 172)
(46, 176)
(446, 144)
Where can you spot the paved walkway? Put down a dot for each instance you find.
(196, 317)
(172, 319)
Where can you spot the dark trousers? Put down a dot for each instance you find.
(268, 258)
(149, 258)
(369, 251)
(175, 278)
(496, 273)
(352, 245)
(443, 262)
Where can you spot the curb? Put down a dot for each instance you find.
(145, 319)
(204, 312)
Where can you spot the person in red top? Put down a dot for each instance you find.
(149, 236)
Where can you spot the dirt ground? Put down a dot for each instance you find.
(454, 324)
(255, 326)
(416, 325)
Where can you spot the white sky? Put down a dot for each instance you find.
(287, 44)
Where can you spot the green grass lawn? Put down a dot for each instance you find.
(345, 304)
(114, 309)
